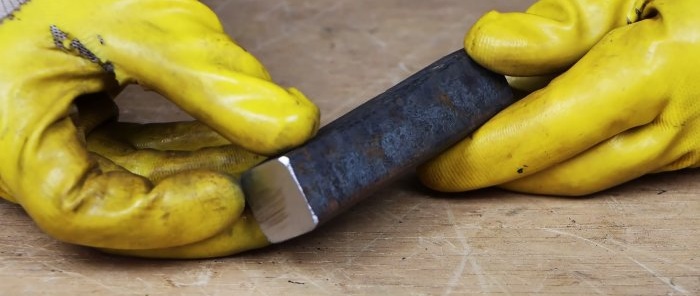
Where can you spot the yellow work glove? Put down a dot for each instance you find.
(159, 190)
(626, 104)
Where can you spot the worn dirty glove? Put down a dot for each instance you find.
(625, 105)
(159, 190)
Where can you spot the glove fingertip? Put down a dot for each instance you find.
(479, 44)
(520, 44)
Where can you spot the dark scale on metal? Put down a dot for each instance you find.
(397, 130)
(75, 46)
(374, 144)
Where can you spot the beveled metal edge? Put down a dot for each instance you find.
(277, 200)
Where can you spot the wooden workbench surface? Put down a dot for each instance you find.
(639, 238)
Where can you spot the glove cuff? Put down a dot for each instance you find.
(7, 7)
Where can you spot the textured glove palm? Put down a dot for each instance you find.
(162, 190)
(627, 107)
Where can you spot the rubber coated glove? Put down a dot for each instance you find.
(626, 104)
(160, 190)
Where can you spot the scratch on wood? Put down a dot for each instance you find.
(201, 278)
(466, 252)
(291, 28)
(82, 276)
(654, 273)
(663, 279)
(586, 280)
